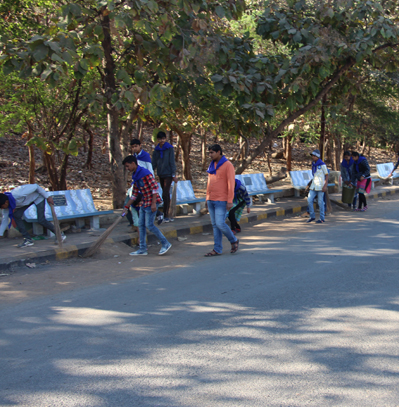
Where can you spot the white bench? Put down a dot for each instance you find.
(256, 185)
(185, 195)
(301, 179)
(384, 170)
(72, 204)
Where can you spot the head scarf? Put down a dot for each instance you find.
(139, 174)
(165, 147)
(144, 156)
(212, 169)
(315, 164)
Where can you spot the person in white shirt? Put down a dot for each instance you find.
(318, 186)
(16, 202)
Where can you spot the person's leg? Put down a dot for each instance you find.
(149, 220)
(217, 234)
(320, 197)
(362, 198)
(142, 230)
(41, 218)
(354, 201)
(166, 183)
(232, 218)
(311, 197)
(220, 219)
(18, 213)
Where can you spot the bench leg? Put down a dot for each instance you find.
(95, 222)
(297, 193)
(37, 228)
(197, 208)
(80, 223)
(372, 185)
(270, 198)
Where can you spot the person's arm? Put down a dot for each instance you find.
(154, 187)
(172, 163)
(325, 186)
(366, 170)
(394, 168)
(154, 161)
(231, 183)
(4, 223)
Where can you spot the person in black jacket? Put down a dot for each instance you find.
(163, 161)
(361, 178)
(394, 168)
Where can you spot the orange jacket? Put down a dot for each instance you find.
(221, 185)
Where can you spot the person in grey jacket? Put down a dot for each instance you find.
(17, 202)
(163, 161)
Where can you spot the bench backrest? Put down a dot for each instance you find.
(384, 169)
(253, 182)
(67, 203)
(184, 192)
(301, 178)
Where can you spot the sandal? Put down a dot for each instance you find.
(234, 246)
(212, 253)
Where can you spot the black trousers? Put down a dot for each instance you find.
(232, 216)
(18, 213)
(165, 185)
(362, 197)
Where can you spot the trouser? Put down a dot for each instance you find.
(232, 215)
(217, 211)
(166, 182)
(40, 207)
(320, 200)
(362, 197)
(146, 221)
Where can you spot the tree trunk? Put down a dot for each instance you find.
(89, 164)
(48, 160)
(32, 163)
(63, 173)
(177, 153)
(280, 175)
(322, 127)
(139, 128)
(115, 153)
(204, 154)
(185, 142)
(288, 152)
(363, 147)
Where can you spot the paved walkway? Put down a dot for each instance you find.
(77, 243)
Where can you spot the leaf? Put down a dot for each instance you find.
(216, 78)
(129, 96)
(40, 52)
(219, 10)
(260, 114)
(84, 64)
(297, 37)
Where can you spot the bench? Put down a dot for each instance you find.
(185, 195)
(301, 179)
(384, 170)
(72, 204)
(256, 185)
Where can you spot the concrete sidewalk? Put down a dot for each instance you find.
(77, 243)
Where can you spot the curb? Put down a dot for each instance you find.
(71, 251)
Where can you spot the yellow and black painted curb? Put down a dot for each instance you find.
(71, 251)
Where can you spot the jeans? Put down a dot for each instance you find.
(217, 211)
(166, 183)
(40, 207)
(146, 220)
(320, 201)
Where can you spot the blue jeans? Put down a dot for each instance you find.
(218, 211)
(146, 220)
(320, 200)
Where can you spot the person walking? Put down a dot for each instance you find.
(361, 179)
(318, 187)
(17, 202)
(219, 199)
(163, 161)
(144, 183)
(241, 198)
(346, 174)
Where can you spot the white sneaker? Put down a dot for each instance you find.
(138, 253)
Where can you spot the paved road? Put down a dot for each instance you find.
(302, 316)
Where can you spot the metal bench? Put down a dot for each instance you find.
(301, 179)
(256, 185)
(72, 204)
(384, 170)
(185, 195)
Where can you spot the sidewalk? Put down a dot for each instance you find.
(77, 243)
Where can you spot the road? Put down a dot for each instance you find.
(303, 315)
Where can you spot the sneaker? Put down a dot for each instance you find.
(165, 249)
(310, 220)
(166, 220)
(26, 243)
(364, 209)
(139, 253)
(171, 219)
(63, 237)
(320, 221)
(357, 210)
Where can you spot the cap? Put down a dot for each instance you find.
(315, 153)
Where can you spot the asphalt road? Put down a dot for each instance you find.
(303, 315)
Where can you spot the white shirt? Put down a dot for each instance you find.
(319, 178)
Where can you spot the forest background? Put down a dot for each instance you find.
(79, 80)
